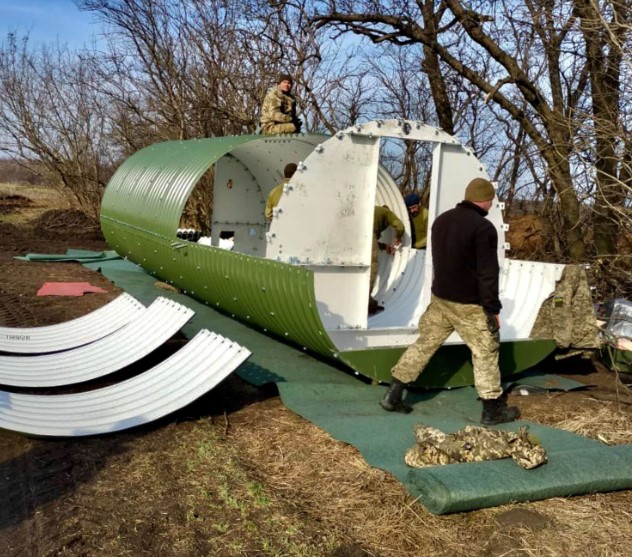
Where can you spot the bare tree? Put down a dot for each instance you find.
(605, 28)
(53, 119)
(540, 75)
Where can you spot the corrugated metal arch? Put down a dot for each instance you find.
(150, 189)
(140, 213)
(71, 334)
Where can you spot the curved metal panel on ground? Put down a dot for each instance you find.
(184, 377)
(148, 331)
(71, 334)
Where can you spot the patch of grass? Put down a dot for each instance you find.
(221, 527)
(257, 491)
(230, 500)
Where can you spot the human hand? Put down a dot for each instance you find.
(493, 323)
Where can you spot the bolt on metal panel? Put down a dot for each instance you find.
(71, 334)
(181, 379)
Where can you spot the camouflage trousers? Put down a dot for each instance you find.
(482, 337)
(271, 129)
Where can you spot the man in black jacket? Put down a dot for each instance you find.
(464, 299)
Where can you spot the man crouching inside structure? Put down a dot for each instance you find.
(464, 299)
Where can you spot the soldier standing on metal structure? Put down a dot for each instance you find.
(278, 112)
(464, 299)
(275, 194)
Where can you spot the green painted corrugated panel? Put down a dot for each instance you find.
(451, 366)
(150, 189)
(275, 296)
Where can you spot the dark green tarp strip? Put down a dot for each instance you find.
(78, 255)
(348, 409)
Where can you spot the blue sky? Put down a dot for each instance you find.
(47, 20)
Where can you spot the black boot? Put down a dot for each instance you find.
(392, 401)
(496, 411)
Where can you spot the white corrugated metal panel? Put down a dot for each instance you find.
(524, 285)
(129, 344)
(184, 377)
(71, 334)
(401, 292)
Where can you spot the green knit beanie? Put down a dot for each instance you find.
(479, 189)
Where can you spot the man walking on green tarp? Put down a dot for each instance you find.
(464, 299)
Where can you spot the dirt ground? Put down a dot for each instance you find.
(238, 474)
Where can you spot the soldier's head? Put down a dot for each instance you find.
(481, 192)
(289, 170)
(284, 82)
(412, 201)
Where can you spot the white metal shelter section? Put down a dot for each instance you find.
(152, 328)
(184, 377)
(71, 334)
(324, 221)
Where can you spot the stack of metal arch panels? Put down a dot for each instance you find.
(153, 327)
(188, 374)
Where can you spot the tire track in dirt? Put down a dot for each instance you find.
(12, 312)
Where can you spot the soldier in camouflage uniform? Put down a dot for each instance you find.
(275, 194)
(464, 299)
(474, 444)
(383, 218)
(278, 112)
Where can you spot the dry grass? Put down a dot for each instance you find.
(330, 480)
(605, 421)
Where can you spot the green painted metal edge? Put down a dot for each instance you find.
(451, 365)
(273, 296)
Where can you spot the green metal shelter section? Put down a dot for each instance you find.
(150, 189)
(141, 212)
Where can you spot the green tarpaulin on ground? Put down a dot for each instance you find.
(348, 409)
(79, 255)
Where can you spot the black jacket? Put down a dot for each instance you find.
(464, 251)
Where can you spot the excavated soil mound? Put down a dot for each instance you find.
(10, 202)
(69, 221)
